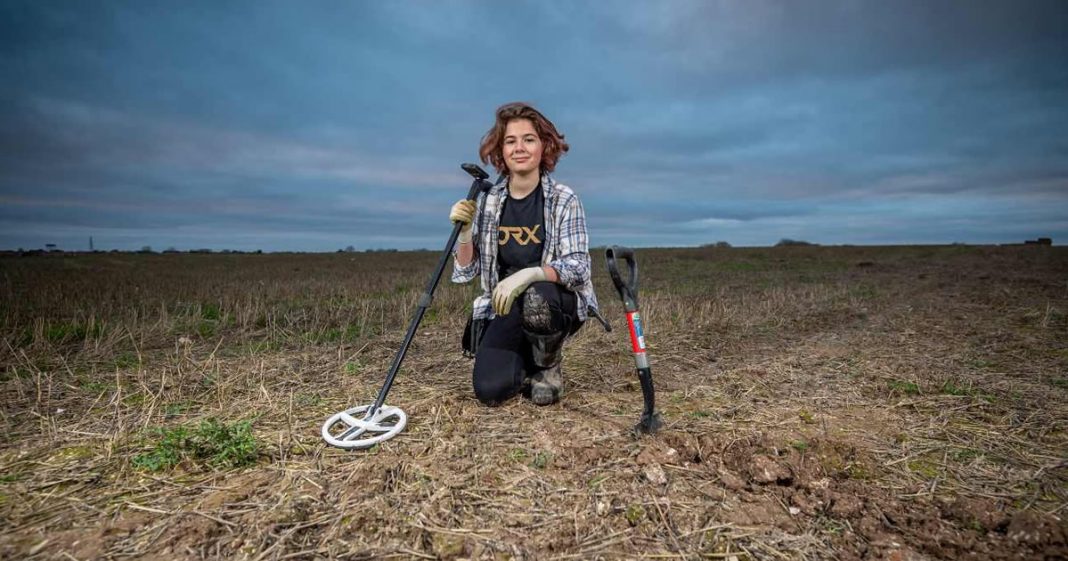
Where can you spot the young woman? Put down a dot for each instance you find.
(527, 238)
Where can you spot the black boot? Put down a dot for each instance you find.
(547, 381)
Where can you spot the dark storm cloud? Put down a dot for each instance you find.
(319, 125)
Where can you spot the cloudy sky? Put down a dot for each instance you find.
(316, 125)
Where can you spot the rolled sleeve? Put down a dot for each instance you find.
(464, 275)
(573, 263)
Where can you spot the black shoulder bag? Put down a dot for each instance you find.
(473, 335)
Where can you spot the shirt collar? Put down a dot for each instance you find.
(501, 187)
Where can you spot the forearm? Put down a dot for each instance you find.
(465, 253)
(550, 274)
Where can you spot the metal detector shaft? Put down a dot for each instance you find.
(477, 186)
(628, 292)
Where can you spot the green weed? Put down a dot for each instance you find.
(126, 360)
(330, 335)
(65, 332)
(135, 399)
(951, 388)
(904, 386)
(924, 468)
(307, 400)
(213, 443)
(350, 333)
(94, 387)
(206, 329)
(210, 311)
(634, 514)
(175, 409)
(598, 480)
(258, 347)
(863, 292)
(832, 526)
(541, 460)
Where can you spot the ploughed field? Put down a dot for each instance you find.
(819, 403)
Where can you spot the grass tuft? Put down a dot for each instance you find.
(541, 460)
(904, 387)
(212, 443)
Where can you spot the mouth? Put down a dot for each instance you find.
(521, 159)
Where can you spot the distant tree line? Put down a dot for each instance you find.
(787, 242)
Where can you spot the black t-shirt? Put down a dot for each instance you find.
(520, 235)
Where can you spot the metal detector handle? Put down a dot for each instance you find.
(474, 170)
(628, 291)
(479, 184)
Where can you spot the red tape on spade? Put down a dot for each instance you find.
(637, 338)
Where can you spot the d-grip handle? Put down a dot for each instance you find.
(628, 291)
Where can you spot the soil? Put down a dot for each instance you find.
(832, 403)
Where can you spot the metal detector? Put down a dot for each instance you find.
(367, 425)
(650, 421)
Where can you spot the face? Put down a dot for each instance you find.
(522, 148)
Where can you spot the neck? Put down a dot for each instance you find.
(520, 186)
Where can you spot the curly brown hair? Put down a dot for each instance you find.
(491, 149)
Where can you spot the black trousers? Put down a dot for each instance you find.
(504, 356)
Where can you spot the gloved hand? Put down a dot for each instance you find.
(510, 288)
(464, 212)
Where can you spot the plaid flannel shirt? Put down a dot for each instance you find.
(566, 244)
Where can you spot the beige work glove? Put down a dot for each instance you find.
(510, 288)
(463, 212)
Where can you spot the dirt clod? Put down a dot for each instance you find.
(655, 474)
(1035, 529)
(846, 505)
(731, 481)
(765, 470)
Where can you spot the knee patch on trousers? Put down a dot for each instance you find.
(537, 316)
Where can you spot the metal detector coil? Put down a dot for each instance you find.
(628, 291)
(384, 424)
(381, 421)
